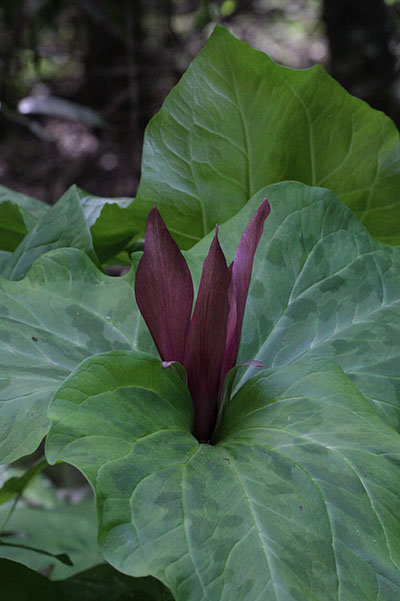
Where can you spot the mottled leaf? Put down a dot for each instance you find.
(63, 311)
(297, 500)
(321, 286)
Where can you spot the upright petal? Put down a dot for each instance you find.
(206, 340)
(242, 267)
(164, 289)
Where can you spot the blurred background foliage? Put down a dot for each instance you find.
(79, 79)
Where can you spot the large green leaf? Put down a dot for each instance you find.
(63, 225)
(297, 501)
(101, 583)
(237, 122)
(321, 286)
(62, 312)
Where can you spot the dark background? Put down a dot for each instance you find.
(120, 59)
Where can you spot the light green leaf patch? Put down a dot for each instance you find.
(63, 311)
(237, 122)
(298, 499)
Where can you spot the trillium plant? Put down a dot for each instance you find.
(286, 363)
(207, 343)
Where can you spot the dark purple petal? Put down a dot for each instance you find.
(242, 266)
(164, 290)
(206, 340)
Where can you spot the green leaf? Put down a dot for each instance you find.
(18, 214)
(111, 223)
(321, 286)
(12, 226)
(297, 500)
(101, 583)
(4, 257)
(149, 394)
(63, 225)
(109, 219)
(63, 311)
(67, 529)
(237, 122)
(62, 557)
(32, 209)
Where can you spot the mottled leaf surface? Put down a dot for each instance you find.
(297, 501)
(63, 311)
(321, 286)
(237, 121)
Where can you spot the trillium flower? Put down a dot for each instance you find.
(206, 342)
